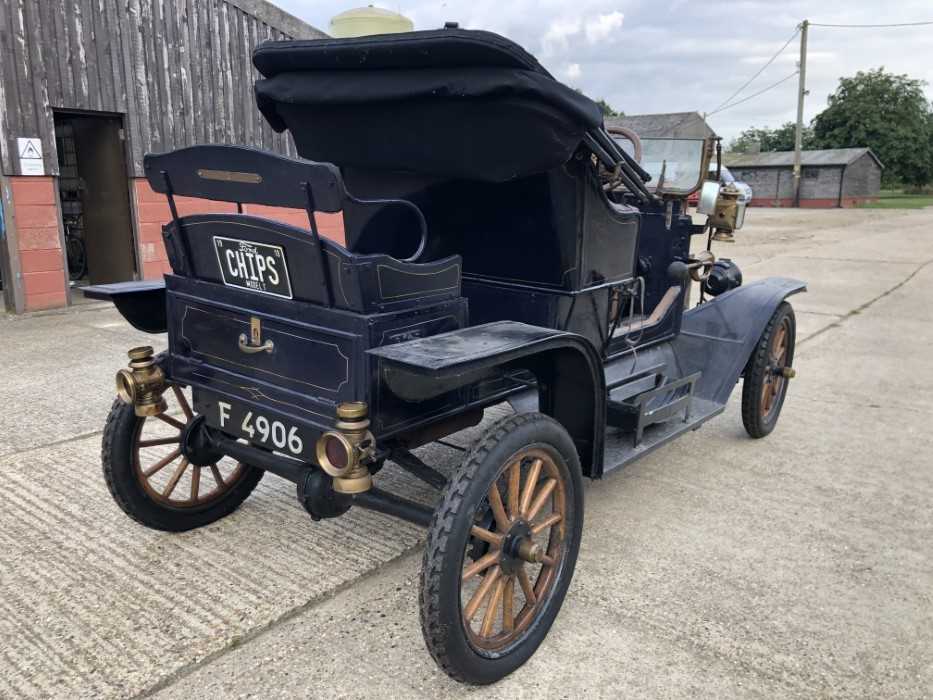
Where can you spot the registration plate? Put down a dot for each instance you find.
(259, 267)
(261, 429)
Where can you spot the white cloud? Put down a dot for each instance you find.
(557, 37)
(680, 55)
(599, 28)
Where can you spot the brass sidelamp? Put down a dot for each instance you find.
(143, 383)
(343, 451)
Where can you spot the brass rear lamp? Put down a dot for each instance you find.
(341, 452)
(142, 384)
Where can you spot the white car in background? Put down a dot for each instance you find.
(727, 178)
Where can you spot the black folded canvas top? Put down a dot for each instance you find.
(452, 103)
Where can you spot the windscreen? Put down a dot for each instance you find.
(680, 159)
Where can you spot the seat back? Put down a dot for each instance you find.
(246, 175)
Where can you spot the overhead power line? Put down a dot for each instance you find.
(761, 70)
(753, 95)
(872, 26)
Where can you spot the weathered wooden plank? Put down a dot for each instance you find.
(252, 114)
(53, 73)
(227, 43)
(197, 81)
(205, 32)
(168, 49)
(157, 141)
(160, 69)
(237, 73)
(102, 50)
(10, 110)
(188, 63)
(116, 78)
(146, 102)
(78, 58)
(89, 48)
(62, 57)
(23, 73)
(6, 96)
(40, 94)
(126, 14)
(220, 107)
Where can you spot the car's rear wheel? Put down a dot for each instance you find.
(159, 478)
(767, 373)
(501, 549)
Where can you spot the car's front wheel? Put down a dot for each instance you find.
(767, 373)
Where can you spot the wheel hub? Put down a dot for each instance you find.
(195, 445)
(518, 548)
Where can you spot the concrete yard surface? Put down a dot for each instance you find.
(799, 565)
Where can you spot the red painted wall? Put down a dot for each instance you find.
(40, 254)
(153, 212)
(847, 202)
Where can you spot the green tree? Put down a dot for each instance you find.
(607, 109)
(768, 139)
(890, 114)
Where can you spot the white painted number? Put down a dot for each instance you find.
(246, 427)
(295, 444)
(274, 431)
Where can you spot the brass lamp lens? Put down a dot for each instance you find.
(336, 452)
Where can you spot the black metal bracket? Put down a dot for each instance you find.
(418, 469)
(390, 504)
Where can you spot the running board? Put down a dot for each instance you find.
(657, 402)
(620, 449)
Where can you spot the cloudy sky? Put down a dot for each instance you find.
(650, 56)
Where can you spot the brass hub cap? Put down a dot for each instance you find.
(774, 380)
(504, 590)
(167, 475)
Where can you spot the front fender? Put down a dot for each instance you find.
(718, 337)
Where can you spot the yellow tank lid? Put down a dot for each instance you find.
(364, 21)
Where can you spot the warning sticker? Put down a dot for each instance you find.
(30, 156)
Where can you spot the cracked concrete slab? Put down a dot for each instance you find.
(719, 566)
(796, 566)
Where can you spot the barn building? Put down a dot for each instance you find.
(87, 87)
(837, 177)
(670, 125)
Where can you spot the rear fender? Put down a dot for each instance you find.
(568, 370)
(718, 337)
(140, 303)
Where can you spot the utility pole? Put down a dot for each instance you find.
(801, 94)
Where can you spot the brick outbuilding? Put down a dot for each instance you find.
(837, 177)
(86, 90)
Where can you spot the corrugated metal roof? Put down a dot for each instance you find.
(683, 125)
(784, 159)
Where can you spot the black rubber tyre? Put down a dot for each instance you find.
(118, 457)
(763, 388)
(445, 624)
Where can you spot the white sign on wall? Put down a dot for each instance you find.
(30, 156)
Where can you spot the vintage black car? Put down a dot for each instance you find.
(501, 245)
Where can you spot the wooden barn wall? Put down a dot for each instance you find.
(179, 71)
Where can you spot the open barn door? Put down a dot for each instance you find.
(95, 203)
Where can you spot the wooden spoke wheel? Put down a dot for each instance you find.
(160, 477)
(768, 372)
(171, 474)
(501, 549)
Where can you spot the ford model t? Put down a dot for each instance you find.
(501, 245)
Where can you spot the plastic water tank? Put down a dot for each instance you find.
(369, 20)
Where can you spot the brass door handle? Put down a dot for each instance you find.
(243, 343)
